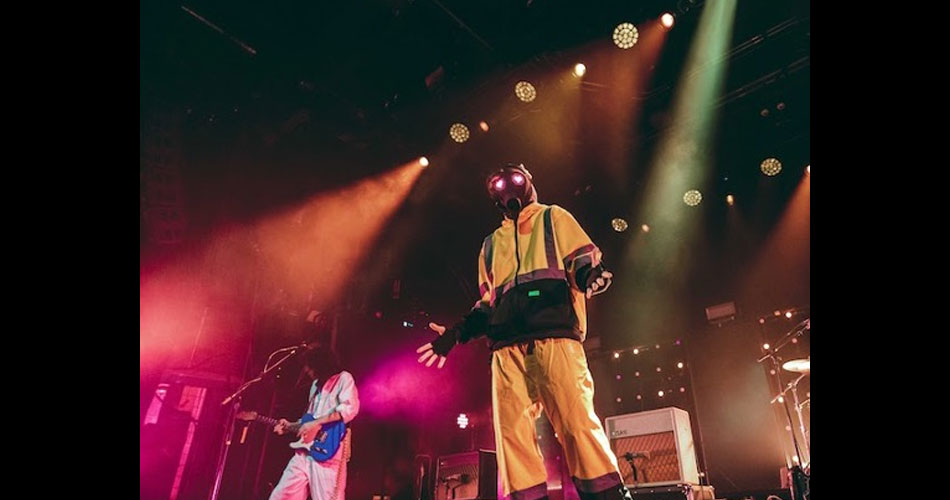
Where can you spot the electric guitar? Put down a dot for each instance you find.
(323, 446)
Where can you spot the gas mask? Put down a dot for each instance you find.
(511, 189)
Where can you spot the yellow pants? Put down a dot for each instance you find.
(551, 374)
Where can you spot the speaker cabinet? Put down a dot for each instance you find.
(654, 447)
(467, 476)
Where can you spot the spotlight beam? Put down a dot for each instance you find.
(653, 275)
(317, 247)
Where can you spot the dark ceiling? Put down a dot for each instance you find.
(363, 64)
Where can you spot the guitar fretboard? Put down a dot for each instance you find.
(273, 421)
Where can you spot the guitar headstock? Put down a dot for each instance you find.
(249, 416)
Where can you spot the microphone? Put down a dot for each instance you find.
(301, 347)
(631, 456)
(306, 346)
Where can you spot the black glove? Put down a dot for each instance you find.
(473, 325)
(587, 275)
(445, 342)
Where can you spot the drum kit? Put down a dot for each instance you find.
(800, 472)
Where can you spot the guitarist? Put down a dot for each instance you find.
(333, 396)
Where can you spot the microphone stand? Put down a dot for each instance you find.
(451, 488)
(235, 399)
(633, 466)
(794, 470)
(799, 329)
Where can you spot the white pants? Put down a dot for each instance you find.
(323, 480)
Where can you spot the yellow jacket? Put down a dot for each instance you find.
(533, 295)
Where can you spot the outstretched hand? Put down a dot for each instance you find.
(426, 350)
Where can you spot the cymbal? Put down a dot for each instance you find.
(798, 366)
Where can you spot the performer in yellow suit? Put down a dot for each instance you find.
(534, 283)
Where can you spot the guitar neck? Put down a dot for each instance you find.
(293, 427)
(264, 419)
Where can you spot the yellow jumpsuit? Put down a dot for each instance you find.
(536, 326)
